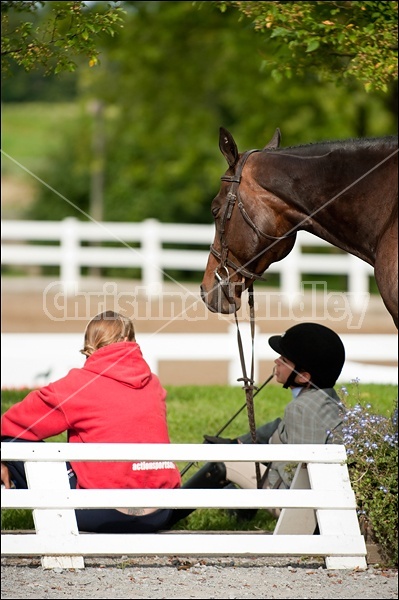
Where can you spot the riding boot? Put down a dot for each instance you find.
(211, 439)
(210, 476)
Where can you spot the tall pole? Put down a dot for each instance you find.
(96, 204)
(96, 208)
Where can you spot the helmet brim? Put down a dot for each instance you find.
(275, 344)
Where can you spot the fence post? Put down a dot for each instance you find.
(358, 282)
(290, 275)
(53, 476)
(69, 264)
(151, 246)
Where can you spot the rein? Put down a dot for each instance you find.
(249, 386)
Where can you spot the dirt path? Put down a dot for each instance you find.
(37, 305)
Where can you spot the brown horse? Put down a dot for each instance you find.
(344, 192)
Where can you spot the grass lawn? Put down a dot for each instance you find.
(31, 132)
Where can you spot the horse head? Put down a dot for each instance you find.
(251, 232)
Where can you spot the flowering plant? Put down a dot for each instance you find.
(371, 443)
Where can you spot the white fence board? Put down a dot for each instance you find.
(328, 453)
(187, 544)
(182, 498)
(35, 351)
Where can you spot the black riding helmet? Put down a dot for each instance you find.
(313, 348)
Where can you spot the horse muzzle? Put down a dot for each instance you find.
(224, 297)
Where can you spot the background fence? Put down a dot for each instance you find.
(33, 359)
(65, 244)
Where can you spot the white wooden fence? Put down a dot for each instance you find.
(41, 364)
(320, 493)
(64, 249)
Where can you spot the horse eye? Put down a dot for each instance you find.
(215, 211)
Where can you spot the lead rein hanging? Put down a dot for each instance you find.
(220, 431)
(249, 382)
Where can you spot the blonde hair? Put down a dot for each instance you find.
(107, 328)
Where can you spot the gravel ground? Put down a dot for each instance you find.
(172, 578)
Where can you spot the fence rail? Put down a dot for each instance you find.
(142, 246)
(365, 355)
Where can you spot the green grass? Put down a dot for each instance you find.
(31, 132)
(197, 410)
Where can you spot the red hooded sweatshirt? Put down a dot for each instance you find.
(113, 398)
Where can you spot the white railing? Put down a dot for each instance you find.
(365, 355)
(320, 494)
(64, 249)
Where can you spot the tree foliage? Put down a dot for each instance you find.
(53, 34)
(170, 79)
(174, 74)
(338, 40)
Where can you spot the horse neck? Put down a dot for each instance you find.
(332, 196)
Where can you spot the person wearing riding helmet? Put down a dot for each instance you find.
(311, 357)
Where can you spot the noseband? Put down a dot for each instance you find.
(232, 196)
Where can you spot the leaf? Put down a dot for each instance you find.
(313, 45)
(278, 31)
(277, 75)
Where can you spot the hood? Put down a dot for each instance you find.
(121, 361)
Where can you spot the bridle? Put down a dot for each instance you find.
(224, 282)
(233, 196)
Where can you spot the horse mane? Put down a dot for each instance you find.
(322, 148)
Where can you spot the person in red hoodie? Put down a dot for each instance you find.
(113, 398)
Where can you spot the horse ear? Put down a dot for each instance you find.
(275, 141)
(228, 146)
